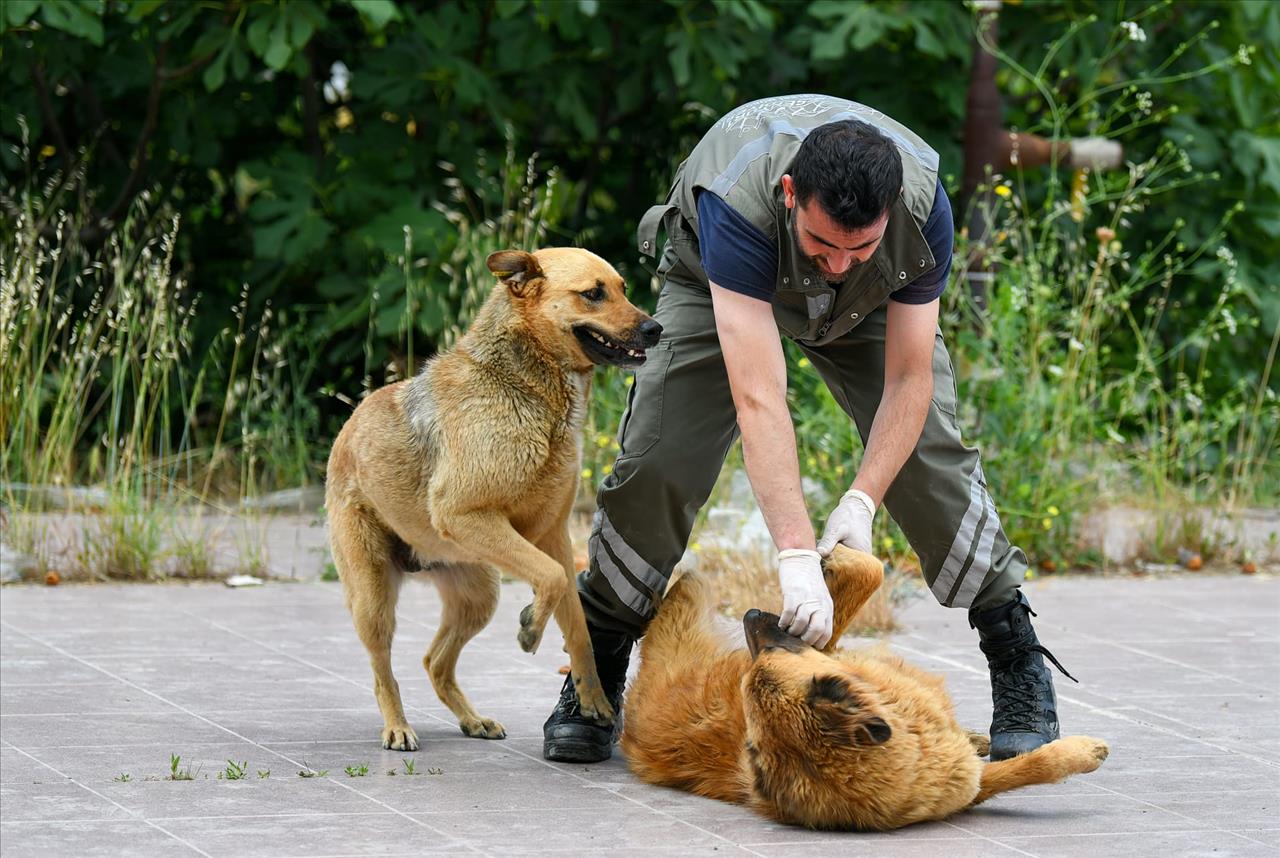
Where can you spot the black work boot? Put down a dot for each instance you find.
(1024, 708)
(568, 736)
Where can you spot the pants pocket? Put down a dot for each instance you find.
(641, 425)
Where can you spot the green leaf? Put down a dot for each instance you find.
(139, 9)
(386, 231)
(16, 12)
(589, 7)
(278, 51)
(79, 17)
(377, 13)
(216, 73)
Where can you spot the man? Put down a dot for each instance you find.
(824, 220)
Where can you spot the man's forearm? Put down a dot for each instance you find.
(769, 453)
(894, 433)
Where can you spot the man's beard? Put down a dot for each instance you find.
(832, 279)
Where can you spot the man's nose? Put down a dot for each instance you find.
(841, 261)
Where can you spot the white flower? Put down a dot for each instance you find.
(336, 88)
(1134, 32)
(1244, 55)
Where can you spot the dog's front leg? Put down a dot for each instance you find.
(573, 624)
(852, 577)
(490, 537)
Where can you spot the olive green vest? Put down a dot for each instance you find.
(742, 159)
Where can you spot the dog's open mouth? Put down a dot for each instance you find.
(601, 349)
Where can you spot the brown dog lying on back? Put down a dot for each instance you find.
(472, 467)
(831, 739)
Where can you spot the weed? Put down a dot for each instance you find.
(357, 771)
(435, 770)
(234, 771)
(330, 572)
(264, 773)
(123, 777)
(408, 765)
(309, 772)
(181, 774)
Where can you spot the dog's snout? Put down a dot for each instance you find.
(650, 331)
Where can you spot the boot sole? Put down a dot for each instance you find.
(571, 751)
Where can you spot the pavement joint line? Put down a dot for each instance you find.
(1143, 833)
(637, 801)
(958, 827)
(1190, 819)
(134, 816)
(1173, 661)
(221, 727)
(1112, 713)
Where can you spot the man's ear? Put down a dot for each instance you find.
(519, 271)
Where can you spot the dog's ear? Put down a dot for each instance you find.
(519, 271)
(845, 717)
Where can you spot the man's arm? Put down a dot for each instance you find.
(904, 404)
(757, 372)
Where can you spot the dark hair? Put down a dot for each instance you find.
(854, 170)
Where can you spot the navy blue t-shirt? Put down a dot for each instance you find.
(742, 259)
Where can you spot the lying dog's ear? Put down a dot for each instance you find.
(518, 271)
(845, 718)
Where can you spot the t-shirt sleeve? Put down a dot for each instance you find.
(940, 232)
(735, 254)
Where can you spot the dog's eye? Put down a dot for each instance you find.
(595, 294)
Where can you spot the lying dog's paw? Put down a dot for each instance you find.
(1085, 753)
(529, 635)
(399, 738)
(483, 728)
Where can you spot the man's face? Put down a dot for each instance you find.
(829, 247)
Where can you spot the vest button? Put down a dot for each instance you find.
(646, 245)
(902, 275)
(806, 281)
(853, 316)
(923, 263)
(786, 280)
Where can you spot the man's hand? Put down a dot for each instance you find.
(850, 523)
(806, 605)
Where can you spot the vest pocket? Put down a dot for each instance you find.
(641, 425)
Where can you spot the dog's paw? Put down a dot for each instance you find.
(530, 634)
(981, 743)
(593, 702)
(1085, 752)
(399, 738)
(483, 728)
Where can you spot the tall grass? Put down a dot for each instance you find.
(104, 384)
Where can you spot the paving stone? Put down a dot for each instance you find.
(1181, 676)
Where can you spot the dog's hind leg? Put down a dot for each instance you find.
(371, 583)
(470, 595)
(852, 577)
(981, 742)
(573, 625)
(1047, 764)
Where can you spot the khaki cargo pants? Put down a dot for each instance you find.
(680, 423)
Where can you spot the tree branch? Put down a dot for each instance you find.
(50, 116)
(144, 137)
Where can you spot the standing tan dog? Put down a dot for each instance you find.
(840, 740)
(471, 467)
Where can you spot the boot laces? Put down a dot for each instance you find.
(1017, 686)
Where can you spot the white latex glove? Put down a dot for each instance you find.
(850, 523)
(1096, 153)
(806, 604)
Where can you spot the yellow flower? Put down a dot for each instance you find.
(1046, 523)
(802, 363)
(48, 152)
(586, 473)
(602, 441)
(887, 543)
(1004, 192)
(1053, 510)
(411, 128)
(606, 470)
(344, 117)
(630, 380)
(695, 546)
